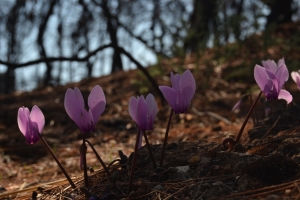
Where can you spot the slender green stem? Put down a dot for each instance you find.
(247, 118)
(57, 161)
(165, 140)
(134, 160)
(83, 152)
(99, 158)
(150, 150)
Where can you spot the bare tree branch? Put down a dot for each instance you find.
(85, 58)
(40, 41)
(53, 59)
(145, 72)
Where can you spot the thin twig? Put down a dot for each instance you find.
(247, 117)
(99, 158)
(176, 193)
(210, 114)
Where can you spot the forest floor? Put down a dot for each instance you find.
(196, 166)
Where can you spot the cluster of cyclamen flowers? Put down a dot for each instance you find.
(270, 79)
(142, 110)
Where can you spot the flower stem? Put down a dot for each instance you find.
(253, 118)
(83, 152)
(98, 157)
(165, 141)
(57, 161)
(247, 118)
(134, 160)
(150, 150)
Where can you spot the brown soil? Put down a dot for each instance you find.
(264, 166)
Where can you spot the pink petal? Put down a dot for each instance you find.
(96, 102)
(72, 106)
(142, 117)
(87, 122)
(260, 76)
(281, 62)
(296, 77)
(282, 75)
(283, 94)
(79, 98)
(133, 102)
(187, 86)
(23, 119)
(152, 110)
(175, 82)
(270, 64)
(37, 117)
(169, 94)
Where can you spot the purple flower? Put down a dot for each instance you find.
(182, 91)
(74, 105)
(31, 124)
(296, 77)
(143, 111)
(271, 79)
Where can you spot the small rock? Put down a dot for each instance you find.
(194, 159)
(158, 187)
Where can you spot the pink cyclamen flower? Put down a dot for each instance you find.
(182, 91)
(271, 79)
(143, 111)
(31, 124)
(296, 77)
(74, 105)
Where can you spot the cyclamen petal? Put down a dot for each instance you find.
(23, 118)
(37, 116)
(142, 114)
(283, 94)
(97, 102)
(270, 64)
(296, 78)
(260, 76)
(72, 106)
(133, 102)
(282, 75)
(170, 95)
(152, 110)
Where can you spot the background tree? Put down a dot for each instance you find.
(54, 42)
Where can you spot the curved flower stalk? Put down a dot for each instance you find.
(179, 97)
(143, 112)
(31, 124)
(271, 79)
(296, 78)
(85, 120)
(183, 88)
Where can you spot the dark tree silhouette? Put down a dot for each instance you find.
(280, 12)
